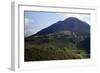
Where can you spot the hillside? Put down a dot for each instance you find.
(70, 24)
(59, 41)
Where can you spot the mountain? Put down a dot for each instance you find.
(67, 39)
(70, 24)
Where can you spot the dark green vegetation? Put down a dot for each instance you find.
(68, 39)
(56, 46)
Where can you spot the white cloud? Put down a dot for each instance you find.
(27, 21)
(30, 27)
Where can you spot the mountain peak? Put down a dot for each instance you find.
(70, 24)
(70, 18)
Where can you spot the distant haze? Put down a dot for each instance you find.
(35, 21)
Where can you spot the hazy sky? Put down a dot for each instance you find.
(35, 21)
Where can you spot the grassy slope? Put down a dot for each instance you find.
(50, 48)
